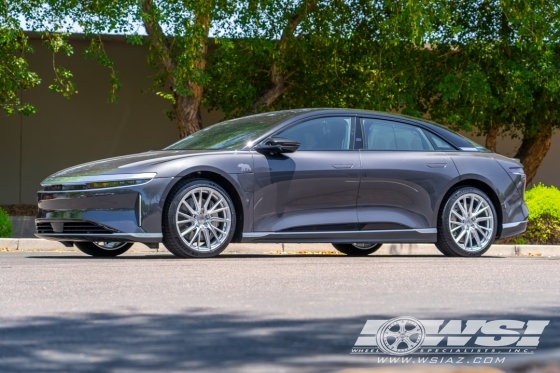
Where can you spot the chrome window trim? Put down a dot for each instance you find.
(77, 180)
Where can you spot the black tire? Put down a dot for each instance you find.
(172, 238)
(92, 249)
(447, 240)
(351, 250)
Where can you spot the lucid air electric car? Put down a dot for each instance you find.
(356, 179)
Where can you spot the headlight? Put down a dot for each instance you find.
(96, 182)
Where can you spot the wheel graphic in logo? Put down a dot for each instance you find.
(401, 336)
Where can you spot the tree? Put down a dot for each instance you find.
(317, 53)
(494, 68)
(177, 41)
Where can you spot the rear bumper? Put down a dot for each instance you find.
(512, 229)
(109, 237)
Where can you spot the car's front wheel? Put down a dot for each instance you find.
(103, 249)
(357, 249)
(467, 224)
(199, 220)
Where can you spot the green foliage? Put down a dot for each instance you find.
(544, 216)
(5, 224)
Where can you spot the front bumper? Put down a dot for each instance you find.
(124, 214)
(108, 237)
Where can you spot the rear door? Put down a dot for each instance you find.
(315, 188)
(403, 175)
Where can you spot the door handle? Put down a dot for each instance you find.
(437, 165)
(343, 165)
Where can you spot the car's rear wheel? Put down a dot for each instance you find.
(103, 249)
(199, 220)
(357, 249)
(467, 224)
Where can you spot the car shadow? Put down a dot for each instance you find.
(200, 340)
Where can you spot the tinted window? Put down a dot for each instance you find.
(231, 134)
(334, 133)
(440, 143)
(387, 135)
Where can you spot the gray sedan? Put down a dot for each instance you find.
(352, 178)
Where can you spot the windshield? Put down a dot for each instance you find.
(232, 134)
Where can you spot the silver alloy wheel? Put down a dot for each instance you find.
(203, 219)
(109, 245)
(471, 222)
(364, 246)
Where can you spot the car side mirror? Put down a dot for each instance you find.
(277, 145)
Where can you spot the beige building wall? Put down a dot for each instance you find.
(65, 132)
(86, 127)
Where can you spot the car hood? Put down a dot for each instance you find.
(127, 164)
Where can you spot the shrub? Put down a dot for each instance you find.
(5, 224)
(544, 216)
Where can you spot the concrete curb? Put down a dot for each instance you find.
(34, 244)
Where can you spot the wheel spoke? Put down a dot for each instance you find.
(219, 220)
(467, 239)
(212, 210)
(461, 234)
(481, 210)
(456, 228)
(484, 234)
(484, 218)
(205, 209)
(188, 230)
(463, 210)
(191, 210)
(456, 214)
(476, 238)
(213, 231)
(196, 235)
(207, 238)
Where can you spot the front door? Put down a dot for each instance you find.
(313, 189)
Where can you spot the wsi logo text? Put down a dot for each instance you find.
(406, 335)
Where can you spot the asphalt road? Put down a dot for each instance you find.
(65, 312)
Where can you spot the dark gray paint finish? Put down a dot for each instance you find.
(299, 189)
(305, 188)
(403, 186)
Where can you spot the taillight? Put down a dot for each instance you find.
(517, 170)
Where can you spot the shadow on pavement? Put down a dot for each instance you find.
(196, 340)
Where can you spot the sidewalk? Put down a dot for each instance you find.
(34, 244)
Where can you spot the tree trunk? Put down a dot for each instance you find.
(492, 138)
(187, 112)
(274, 91)
(186, 108)
(533, 150)
(277, 76)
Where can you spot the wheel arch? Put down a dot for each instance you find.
(486, 188)
(223, 181)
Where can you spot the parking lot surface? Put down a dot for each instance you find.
(245, 313)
